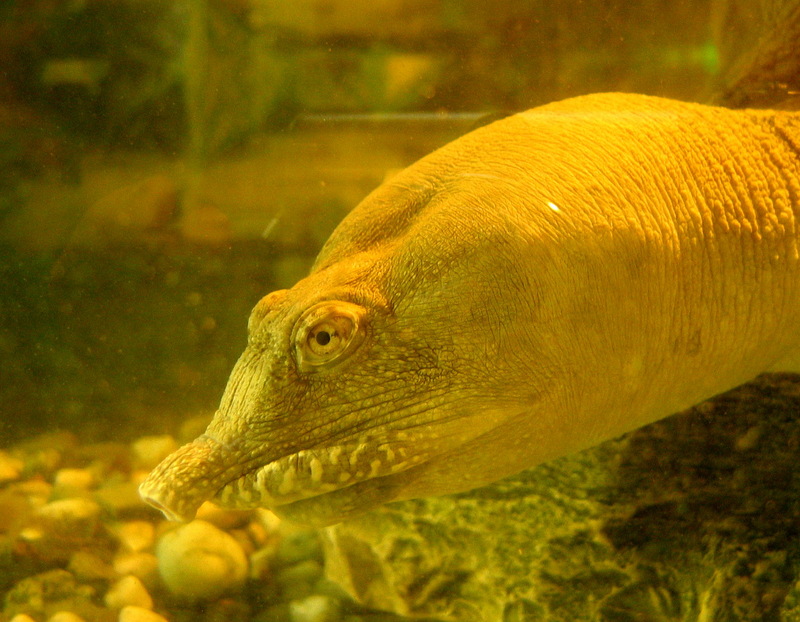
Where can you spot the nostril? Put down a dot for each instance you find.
(151, 499)
(167, 512)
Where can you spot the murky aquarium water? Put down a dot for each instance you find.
(462, 413)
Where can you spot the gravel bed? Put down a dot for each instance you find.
(78, 545)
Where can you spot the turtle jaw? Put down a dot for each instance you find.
(318, 473)
(207, 470)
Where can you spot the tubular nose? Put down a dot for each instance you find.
(168, 509)
(186, 478)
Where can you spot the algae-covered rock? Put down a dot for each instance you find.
(697, 513)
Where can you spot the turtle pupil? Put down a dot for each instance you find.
(323, 337)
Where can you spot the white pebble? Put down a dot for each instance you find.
(75, 479)
(316, 608)
(77, 516)
(142, 565)
(197, 561)
(65, 616)
(139, 614)
(128, 591)
(10, 468)
(148, 451)
(137, 535)
(222, 518)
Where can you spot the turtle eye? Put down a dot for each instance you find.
(328, 333)
(328, 337)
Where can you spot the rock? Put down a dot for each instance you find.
(59, 528)
(10, 467)
(226, 610)
(148, 451)
(136, 536)
(128, 591)
(43, 454)
(106, 459)
(17, 509)
(131, 212)
(205, 223)
(637, 528)
(139, 614)
(65, 616)
(222, 518)
(74, 515)
(756, 46)
(267, 520)
(36, 491)
(142, 565)
(87, 566)
(43, 595)
(275, 613)
(264, 528)
(123, 500)
(197, 561)
(74, 479)
(298, 581)
(297, 547)
(316, 608)
(261, 564)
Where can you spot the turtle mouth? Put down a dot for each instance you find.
(344, 475)
(319, 472)
(319, 485)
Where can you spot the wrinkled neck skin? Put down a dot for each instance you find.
(540, 285)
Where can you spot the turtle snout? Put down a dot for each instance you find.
(185, 479)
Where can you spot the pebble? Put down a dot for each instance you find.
(226, 610)
(258, 533)
(275, 613)
(298, 581)
(142, 565)
(44, 462)
(91, 521)
(59, 528)
(74, 479)
(122, 498)
(148, 451)
(316, 608)
(17, 509)
(52, 591)
(136, 536)
(87, 566)
(139, 614)
(205, 223)
(197, 561)
(10, 467)
(78, 517)
(36, 491)
(296, 547)
(261, 564)
(128, 591)
(222, 518)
